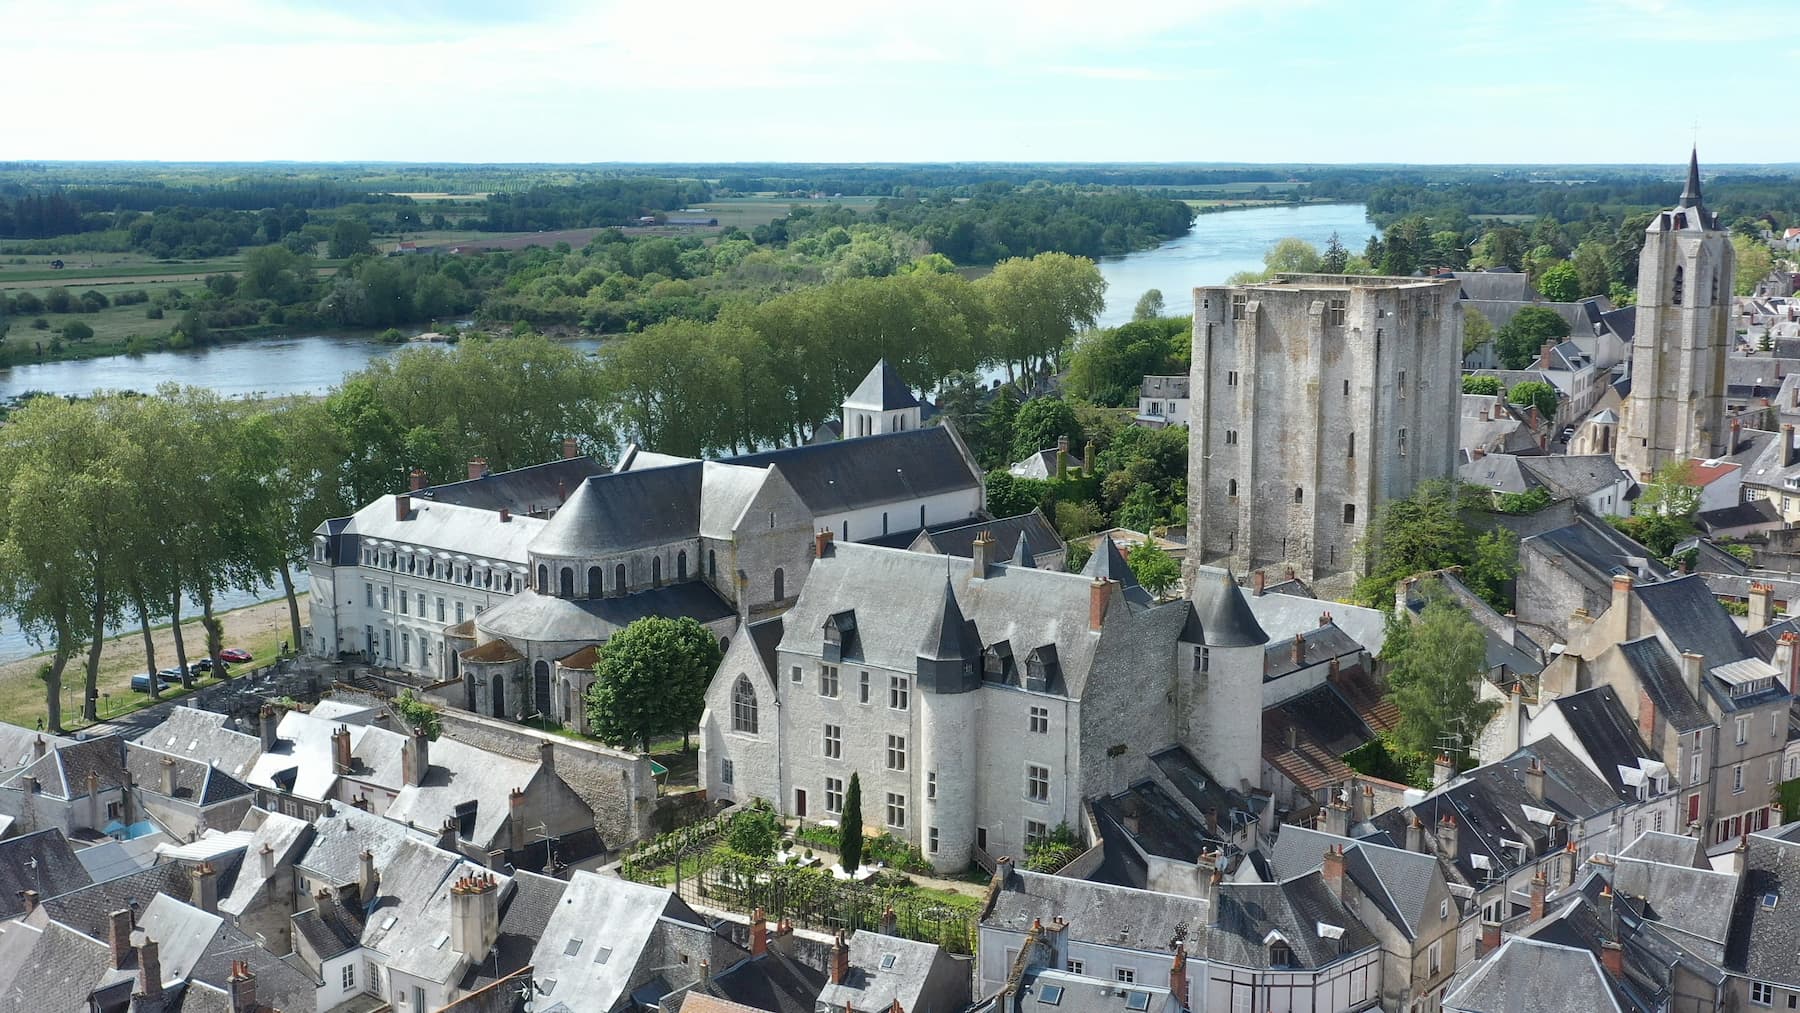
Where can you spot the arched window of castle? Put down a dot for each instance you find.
(566, 588)
(543, 583)
(594, 582)
(656, 572)
(619, 579)
(743, 707)
(1675, 295)
(681, 565)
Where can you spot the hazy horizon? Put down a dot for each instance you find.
(1260, 82)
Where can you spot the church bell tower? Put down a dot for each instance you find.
(1677, 405)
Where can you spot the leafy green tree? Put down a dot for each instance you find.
(419, 715)
(1754, 262)
(1292, 256)
(1008, 495)
(1149, 305)
(349, 237)
(651, 679)
(1560, 282)
(1077, 519)
(1155, 569)
(1426, 531)
(1481, 384)
(1109, 363)
(1593, 268)
(1500, 246)
(1535, 394)
(76, 330)
(1077, 555)
(1036, 306)
(1436, 663)
(850, 827)
(754, 831)
(1519, 342)
(1040, 423)
(1671, 492)
(1477, 330)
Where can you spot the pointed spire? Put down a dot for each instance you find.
(1690, 196)
(944, 637)
(1023, 554)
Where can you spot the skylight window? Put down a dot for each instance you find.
(1137, 1000)
(601, 954)
(438, 943)
(388, 922)
(887, 961)
(1769, 900)
(1050, 995)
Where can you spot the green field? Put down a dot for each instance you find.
(749, 212)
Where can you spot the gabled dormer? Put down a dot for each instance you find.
(1042, 670)
(997, 662)
(840, 636)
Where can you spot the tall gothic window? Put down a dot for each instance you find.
(1676, 299)
(743, 707)
(543, 584)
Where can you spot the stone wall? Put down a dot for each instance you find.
(616, 785)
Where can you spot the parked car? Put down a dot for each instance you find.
(140, 682)
(172, 674)
(235, 655)
(1568, 433)
(205, 665)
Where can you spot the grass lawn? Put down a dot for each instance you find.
(748, 212)
(260, 629)
(684, 767)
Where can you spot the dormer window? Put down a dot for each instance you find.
(997, 664)
(840, 635)
(1280, 953)
(1040, 668)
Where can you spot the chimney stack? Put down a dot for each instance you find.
(206, 887)
(474, 914)
(477, 467)
(981, 554)
(403, 507)
(149, 995)
(340, 749)
(1490, 938)
(267, 855)
(1415, 836)
(1441, 770)
(1737, 432)
(840, 959)
(822, 543)
(890, 922)
(416, 757)
(505, 515)
(1787, 445)
(1787, 660)
(1621, 592)
(1539, 887)
(562, 491)
(1333, 870)
(1258, 581)
(1534, 779)
(118, 937)
(418, 482)
(759, 934)
(39, 747)
(268, 720)
(369, 881)
(1612, 957)
(166, 776)
(1099, 595)
(324, 902)
(1447, 834)
(242, 986)
(1762, 606)
(30, 897)
(1545, 353)
(571, 448)
(1477, 454)
(1299, 652)
(515, 817)
(1692, 665)
(1484, 415)
(1178, 975)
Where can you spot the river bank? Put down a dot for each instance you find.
(259, 629)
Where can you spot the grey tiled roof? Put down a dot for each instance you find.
(1595, 552)
(624, 510)
(1693, 907)
(1223, 614)
(1573, 477)
(1606, 733)
(544, 618)
(89, 909)
(1761, 943)
(43, 862)
(847, 475)
(527, 910)
(520, 490)
(63, 771)
(882, 390)
(1108, 563)
(1659, 675)
(333, 856)
(1525, 974)
(196, 782)
(1396, 880)
(1295, 908)
(959, 540)
(883, 970)
(205, 736)
(1098, 913)
(1669, 849)
(773, 982)
(1693, 620)
(329, 935)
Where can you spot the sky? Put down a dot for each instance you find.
(1453, 81)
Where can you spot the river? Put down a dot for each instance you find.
(1218, 246)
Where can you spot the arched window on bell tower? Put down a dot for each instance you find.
(1675, 295)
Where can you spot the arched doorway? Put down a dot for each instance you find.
(541, 685)
(593, 587)
(681, 565)
(780, 584)
(656, 572)
(567, 586)
(499, 696)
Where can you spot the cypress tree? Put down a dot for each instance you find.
(850, 828)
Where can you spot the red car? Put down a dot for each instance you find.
(235, 655)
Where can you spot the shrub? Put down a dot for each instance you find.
(75, 330)
(418, 714)
(754, 831)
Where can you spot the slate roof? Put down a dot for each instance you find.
(1759, 376)
(725, 493)
(960, 540)
(1607, 734)
(18, 745)
(459, 773)
(602, 912)
(1317, 646)
(847, 475)
(1152, 820)
(1246, 913)
(1659, 675)
(1165, 387)
(334, 855)
(1693, 620)
(882, 390)
(1574, 477)
(205, 736)
(1526, 974)
(1740, 515)
(622, 511)
(1494, 286)
(897, 597)
(1281, 615)
(1669, 849)
(1098, 913)
(441, 527)
(1499, 472)
(1224, 616)
(523, 916)
(772, 982)
(330, 934)
(1397, 881)
(1594, 552)
(412, 910)
(196, 782)
(89, 909)
(522, 490)
(54, 968)
(285, 837)
(44, 862)
(884, 970)
(1108, 563)
(1199, 788)
(1693, 907)
(544, 618)
(1761, 944)
(62, 772)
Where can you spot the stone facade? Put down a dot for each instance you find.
(1676, 410)
(1317, 398)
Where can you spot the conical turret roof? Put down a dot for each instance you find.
(882, 390)
(1690, 195)
(1223, 614)
(945, 636)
